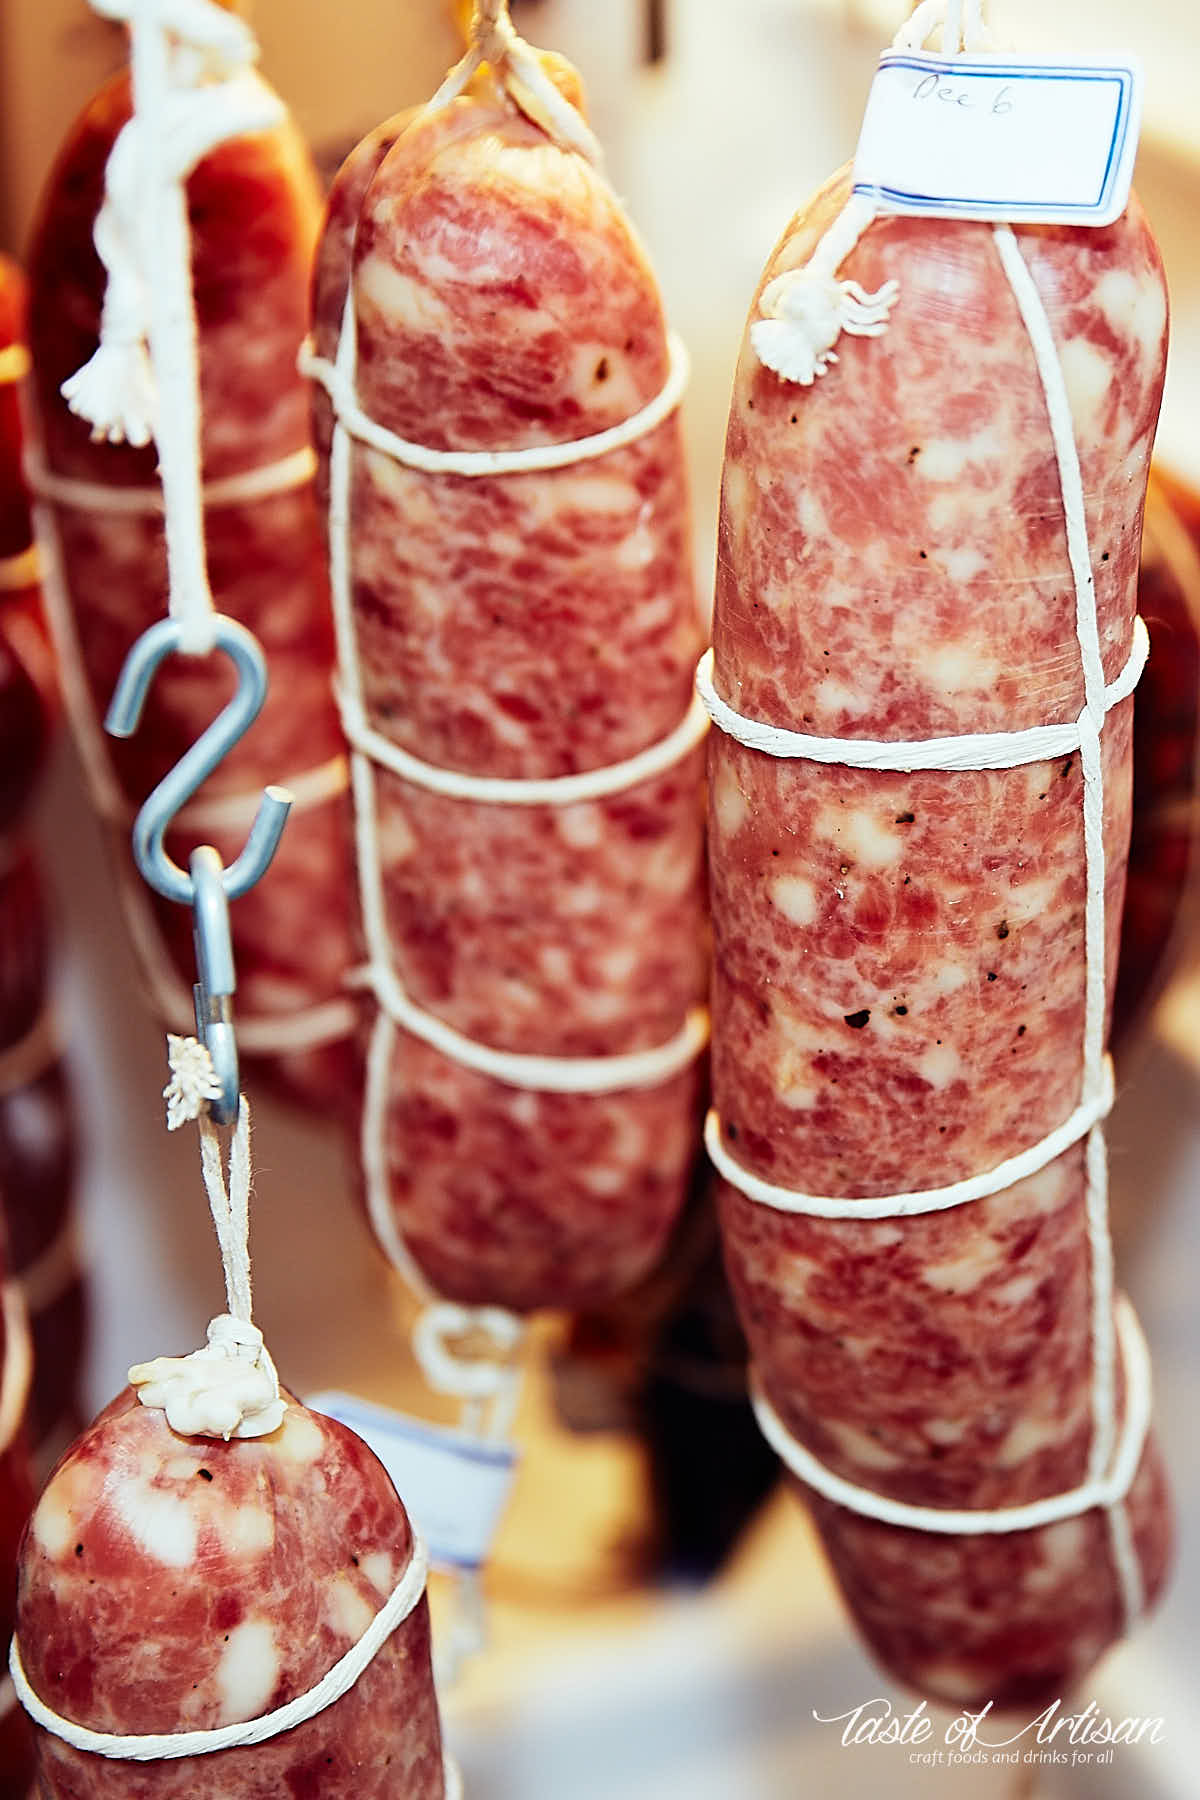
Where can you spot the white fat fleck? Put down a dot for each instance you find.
(380, 284)
(958, 668)
(380, 1570)
(946, 1431)
(1063, 1545)
(396, 840)
(346, 1612)
(962, 564)
(598, 1179)
(1131, 307)
(299, 1439)
(618, 964)
(792, 1086)
(939, 1065)
(869, 842)
(582, 826)
(637, 550)
(946, 458)
(556, 963)
(729, 803)
(962, 1273)
(1088, 373)
(164, 1524)
(1025, 1438)
(1017, 1291)
(596, 493)
(250, 1530)
(795, 898)
(838, 696)
(523, 1108)
(248, 1671)
(53, 1523)
(584, 898)
(863, 1450)
(948, 978)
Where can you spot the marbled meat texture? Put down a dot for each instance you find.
(254, 210)
(899, 958)
(524, 626)
(1160, 895)
(173, 1584)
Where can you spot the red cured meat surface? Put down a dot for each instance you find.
(523, 626)
(1160, 900)
(171, 1584)
(37, 1176)
(254, 211)
(898, 997)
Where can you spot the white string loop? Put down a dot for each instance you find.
(338, 380)
(495, 41)
(193, 89)
(17, 1374)
(1006, 750)
(230, 1387)
(803, 312)
(165, 1746)
(972, 750)
(1107, 1487)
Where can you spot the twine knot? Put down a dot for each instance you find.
(805, 311)
(193, 1080)
(229, 1388)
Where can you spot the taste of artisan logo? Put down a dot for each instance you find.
(1051, 1736)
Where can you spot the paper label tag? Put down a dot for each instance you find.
(454, 1487)
(1033, 141)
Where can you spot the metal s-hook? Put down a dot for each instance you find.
(208, 887)
(182, 782)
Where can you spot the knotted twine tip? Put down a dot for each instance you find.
(227, 1389)
(805, 311)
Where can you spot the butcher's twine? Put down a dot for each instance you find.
(1111, 1468)
(196, 1393)
(804, 311)
(494, 41)
(18, 1362)
(193, 88)
(266, 1034)
(547, 1074)
(165, 1746)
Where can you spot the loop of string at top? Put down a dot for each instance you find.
(804, 311)
(193, 88)
(495, 41)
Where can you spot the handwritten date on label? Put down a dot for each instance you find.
(933, 87)
(1035, 141)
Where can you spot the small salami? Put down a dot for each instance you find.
(176, 1585)
(916, 911)
(511, 626)
(254, 209)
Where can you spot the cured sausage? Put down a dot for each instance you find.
(1160, 899)
(37, 1165)
(173, 1584)
(518, 627)
(16, 1499)
(901, 1000)
(254, 209)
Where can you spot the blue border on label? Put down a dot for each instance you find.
(1121, 75)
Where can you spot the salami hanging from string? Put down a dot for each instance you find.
(515, 613)
(253, 209)
(924, 653)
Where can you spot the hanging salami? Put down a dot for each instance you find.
(254, 210)
(924, 649)
(36, 1123)
(513, 590)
